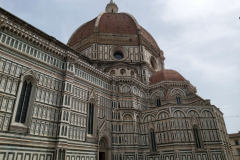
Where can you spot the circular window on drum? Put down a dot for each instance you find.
(118, 55)
(153, 63)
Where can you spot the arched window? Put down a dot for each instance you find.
(132, 73)
(158, 102)
(23, 102)
(197, 137)
(112, 73)
(123, 72)
(178, 100)
(152, 143)
(90, 118)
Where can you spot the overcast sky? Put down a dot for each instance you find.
(200, 38)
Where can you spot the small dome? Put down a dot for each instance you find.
(165, 75)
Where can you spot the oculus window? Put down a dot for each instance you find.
(118, 55)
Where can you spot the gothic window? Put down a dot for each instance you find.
(23, 102)
(158, 102)
(152, 142)
(90, 118)
(197, 137)
(178, 100)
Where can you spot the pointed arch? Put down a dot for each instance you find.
(177, 91)
(104, 147)
(157, 93)
(91, 116)
(22, 112)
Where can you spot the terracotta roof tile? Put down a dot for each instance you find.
(85, 31)
(149, 38)
(117, 23)
(164, 75)
(234, 135)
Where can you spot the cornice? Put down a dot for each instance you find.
(28, 32)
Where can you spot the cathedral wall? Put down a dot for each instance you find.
(124, 111)
(50, 124)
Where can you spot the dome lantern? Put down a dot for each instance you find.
(112, 7)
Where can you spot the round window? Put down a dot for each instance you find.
(118, 55)
(153, 63)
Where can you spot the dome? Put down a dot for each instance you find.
(112, 24)
(165, 75)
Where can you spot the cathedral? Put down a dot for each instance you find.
(105, 95)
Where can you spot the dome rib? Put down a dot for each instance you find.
(98, 19)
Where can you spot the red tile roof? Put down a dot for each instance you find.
(234, 135)
(83, 32)
(165, 75)
(117, 23)
(149, 38)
